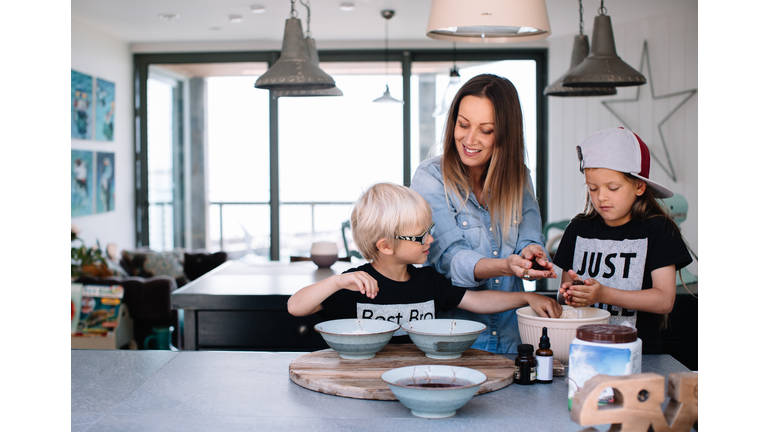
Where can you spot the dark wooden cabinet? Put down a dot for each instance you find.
(265, 330)
(242, 306)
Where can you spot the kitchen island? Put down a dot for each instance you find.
(222, 308)
(124, 390)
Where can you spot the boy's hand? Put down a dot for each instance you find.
(359, 281)
(580, 293)
(538, 266)
(545, 306)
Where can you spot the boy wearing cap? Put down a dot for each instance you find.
(624, 247)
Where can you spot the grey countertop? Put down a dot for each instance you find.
(122, 390)
(237, 285)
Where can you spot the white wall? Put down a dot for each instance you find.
(673, 48)
(101, 55)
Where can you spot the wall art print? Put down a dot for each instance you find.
(105, 180)
(82, 182)
(82, 97)
(105, 110)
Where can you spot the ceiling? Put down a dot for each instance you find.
(207, 21)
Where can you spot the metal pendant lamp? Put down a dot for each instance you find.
(488, 21)
(315, 59)
(579, 53)
(386, 97)
(294, 70)
(454, 84)
(603, 67)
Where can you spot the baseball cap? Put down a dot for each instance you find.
(620, 150)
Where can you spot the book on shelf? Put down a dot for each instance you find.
(99, 310)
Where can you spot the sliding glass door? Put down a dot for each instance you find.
(265, 177)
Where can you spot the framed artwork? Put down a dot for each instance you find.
(82, 99)
(82, 182)
(105, 110)
(105, 179)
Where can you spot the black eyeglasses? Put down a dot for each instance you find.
(421, 239)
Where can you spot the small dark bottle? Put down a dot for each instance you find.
(544, 359)
(525, 363)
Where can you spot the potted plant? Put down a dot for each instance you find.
(87, 260)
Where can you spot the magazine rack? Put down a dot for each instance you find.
(120, 337)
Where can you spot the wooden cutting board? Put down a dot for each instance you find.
(325, 372)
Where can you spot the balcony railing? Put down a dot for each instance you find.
(161, 223)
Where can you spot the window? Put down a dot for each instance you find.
(237, 168)
(279, 174)
(164, 158)
(331, 148)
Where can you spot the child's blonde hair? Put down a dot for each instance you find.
(383, 211)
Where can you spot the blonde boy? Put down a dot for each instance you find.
(391, 226)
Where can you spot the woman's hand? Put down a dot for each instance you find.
(578, 293)
(358, 281)
(532, 262)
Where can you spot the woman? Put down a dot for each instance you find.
(481, 192)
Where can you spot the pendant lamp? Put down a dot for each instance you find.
(315, 59)
(579, 53)
(454, 84)
(332, 91)
(603, 67)
(294, 70)
(488, 21)
(386, 97)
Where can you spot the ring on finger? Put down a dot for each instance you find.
(526, 275)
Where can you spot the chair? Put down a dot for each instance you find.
(346, 225)
(551, 243)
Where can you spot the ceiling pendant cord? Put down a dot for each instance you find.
(386, 51)
(386, 97)
(308, 33)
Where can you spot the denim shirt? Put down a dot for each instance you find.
(462, 236)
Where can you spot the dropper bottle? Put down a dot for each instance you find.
(544, 359)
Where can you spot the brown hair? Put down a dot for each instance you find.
(506, 174)
(645, 206)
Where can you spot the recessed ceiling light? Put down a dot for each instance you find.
(235, 18)
(168, 17)
(258, 9)
(346, 7)
(215, 29)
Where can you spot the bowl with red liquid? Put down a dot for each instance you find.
(434, 391)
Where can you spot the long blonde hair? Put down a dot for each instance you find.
(506, 173)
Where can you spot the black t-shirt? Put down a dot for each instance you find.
(623, 257)
(426, 292)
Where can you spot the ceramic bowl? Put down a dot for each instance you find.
(425, 389)
(324, 261)
(324, 254)
(443, 338)
(561, 331)
(356, 339)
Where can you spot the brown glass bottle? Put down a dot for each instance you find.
(525, 365)
(544, 359)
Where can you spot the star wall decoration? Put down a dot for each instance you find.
(645, 58)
